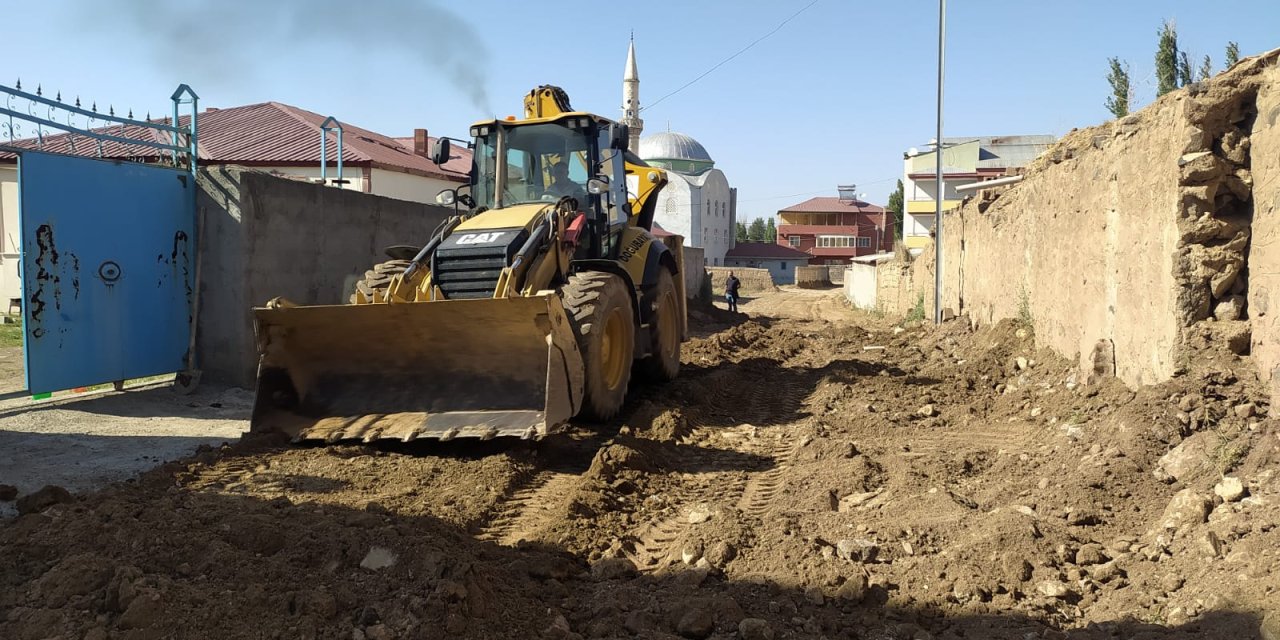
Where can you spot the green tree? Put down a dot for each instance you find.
(895, 211)
(740, 232)
(1118, 102)
(1184, 69)
(1233, 53)
(756, 231)
(770, 231)
(1167, 59)
(1206, 70)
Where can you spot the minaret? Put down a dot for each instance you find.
(631, 98)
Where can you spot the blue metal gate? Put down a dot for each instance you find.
(107, 214)
(108, 269)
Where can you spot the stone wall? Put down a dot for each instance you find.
(1127, 245)
(266, 237)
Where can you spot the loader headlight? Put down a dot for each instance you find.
(598, 185)
(446, 197)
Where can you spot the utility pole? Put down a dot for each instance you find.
(942, 191)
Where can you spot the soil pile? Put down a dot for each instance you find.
(802, 479)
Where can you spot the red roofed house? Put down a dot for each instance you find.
(836, 230)
(272, 137)
(780, 260)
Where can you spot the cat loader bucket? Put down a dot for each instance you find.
(438, 370)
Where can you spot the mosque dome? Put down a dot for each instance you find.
(669, 145)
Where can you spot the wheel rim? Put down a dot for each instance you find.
(613, 359)
(667, 329)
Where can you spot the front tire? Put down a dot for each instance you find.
(604, 322)
(663, 363)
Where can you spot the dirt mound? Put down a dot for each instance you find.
(800, 479)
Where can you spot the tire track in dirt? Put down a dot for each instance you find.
(720, 478)
(761, 489)
(1017, 436)
(530, 508)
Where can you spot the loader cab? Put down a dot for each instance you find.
(541, 160)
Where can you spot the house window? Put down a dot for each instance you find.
(793, 241)
(784, 266)
(834, 242)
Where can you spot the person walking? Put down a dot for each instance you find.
(731, 286)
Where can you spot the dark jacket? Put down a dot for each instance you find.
(731, 285)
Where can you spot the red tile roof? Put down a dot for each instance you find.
(832, 205)
(768, 250)
(270, 133)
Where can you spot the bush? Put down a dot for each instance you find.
(917, 312)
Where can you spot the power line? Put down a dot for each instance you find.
(726, 60)
(810, 193)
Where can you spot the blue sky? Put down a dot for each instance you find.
(835, 96)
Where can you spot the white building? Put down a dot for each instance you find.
(964, 161)
(697, 202)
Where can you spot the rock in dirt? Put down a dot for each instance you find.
(699, 515)
(857, 550)
(720, 554)
(46, 497)
(927, 411)
(755, 629)
(1210, 545)
(8, 492)
(1186, 508)
(854, 588)
(854, 500)
(378, 558)
(1106, 572)
(1055, 589)
(1187, 459)
(1090, 554)
(697, 623)
(613, 569)
(1230, 489)
(558, 629)
(142, 612)
(1246, 410)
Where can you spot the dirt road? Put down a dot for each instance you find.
(813, 473)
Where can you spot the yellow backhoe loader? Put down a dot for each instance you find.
(531, 305)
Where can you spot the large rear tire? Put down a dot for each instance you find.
(379, 278)
(600, 307)
(663, 363)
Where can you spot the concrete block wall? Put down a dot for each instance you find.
(836, 273)
(860, 285)
(695, 271)
(266, 237)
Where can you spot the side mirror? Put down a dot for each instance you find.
(447, 197)
(598, 185)
(619, 136)
(440, 151)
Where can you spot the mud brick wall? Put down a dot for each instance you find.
(813, 277)
(753, 280)
(1132, 244)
